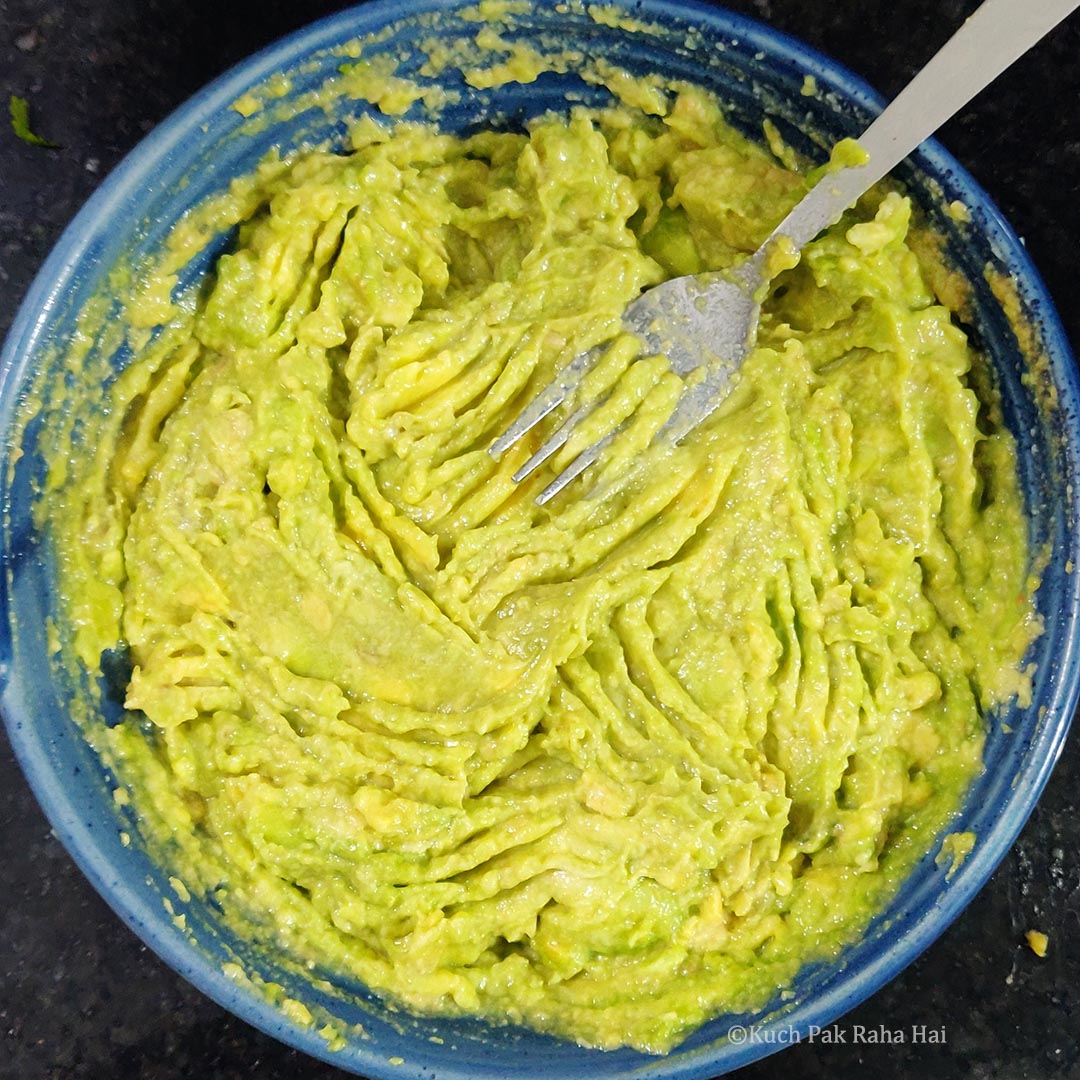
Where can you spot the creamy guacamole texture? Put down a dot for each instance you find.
(607, 767)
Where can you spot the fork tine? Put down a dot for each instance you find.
(549, 399)
(576, 467)
(699, 402)
(554, 442)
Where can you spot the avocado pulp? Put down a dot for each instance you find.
(608, 767)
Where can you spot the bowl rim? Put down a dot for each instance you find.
(144, 916)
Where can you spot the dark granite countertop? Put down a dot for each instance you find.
(80, 996)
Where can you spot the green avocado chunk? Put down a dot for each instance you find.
(19, 109)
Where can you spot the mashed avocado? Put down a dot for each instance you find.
(608, 767)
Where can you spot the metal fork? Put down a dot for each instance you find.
(710, 320)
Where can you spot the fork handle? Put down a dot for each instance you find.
(999, 32)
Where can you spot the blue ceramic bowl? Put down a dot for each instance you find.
(193, 154)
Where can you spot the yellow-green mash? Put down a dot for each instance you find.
(608, 767)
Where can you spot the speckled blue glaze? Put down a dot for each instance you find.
(193, 154)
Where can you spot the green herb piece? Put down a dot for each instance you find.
(20, 123)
